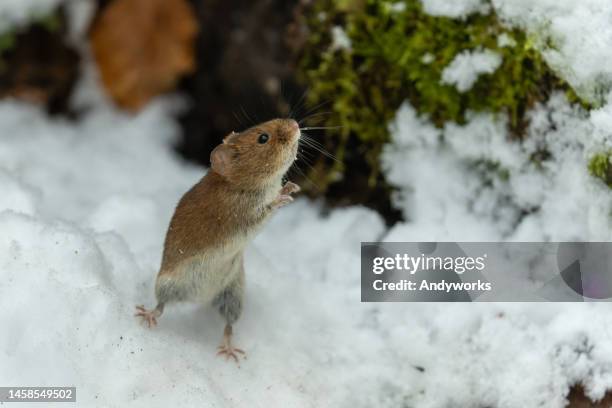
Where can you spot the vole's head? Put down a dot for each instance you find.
(259, 155)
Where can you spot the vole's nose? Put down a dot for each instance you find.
(293, 125)
(293, 129)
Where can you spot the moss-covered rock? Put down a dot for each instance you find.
(600, 166)
(398, 52)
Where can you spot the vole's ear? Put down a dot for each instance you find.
(221, 159)
(228, 137)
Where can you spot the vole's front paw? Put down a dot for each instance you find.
(289, 188)
(284, 195)
(280, 201)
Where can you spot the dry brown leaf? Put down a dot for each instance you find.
(142, 47)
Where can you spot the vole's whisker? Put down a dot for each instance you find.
(297, 106)
(238, 119)
(310, 140)
(246, 115)
(321, 127)
(297, 168)
(314, 115)
(307, 162)
(310, 143)
(317, 106)
(303, 154)
(326, 154)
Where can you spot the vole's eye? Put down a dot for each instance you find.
(263, 138)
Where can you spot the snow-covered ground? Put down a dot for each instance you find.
(473, 175)
(84, 206)
(84, 210)
(473, 182)
(574, 36)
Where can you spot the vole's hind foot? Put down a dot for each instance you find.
(226, 347)
(230, 351)
(148, 316)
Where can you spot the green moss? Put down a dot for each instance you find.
(600, 166)
(399, 54)
(51, 22)
(7, 42)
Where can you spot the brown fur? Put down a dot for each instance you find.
(220, 208)
(216, 219)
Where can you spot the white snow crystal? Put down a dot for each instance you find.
(455, 8)
(505, 40)
(427, 58)
(16, 196)
(464, 69)
(340, 40)
(398, 7)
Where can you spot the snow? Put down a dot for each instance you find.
(398, 7)
(340, 40)
(528, 199)
(446, 196)
(16, 13)
(80, 243)
(472, 183)
(444, 187)
(455, 8)
(464, 69)
(505, 40)
(573, 36)
(85, 205)
(427, 58)
(81, 233)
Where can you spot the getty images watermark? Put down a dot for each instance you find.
(484, 271)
